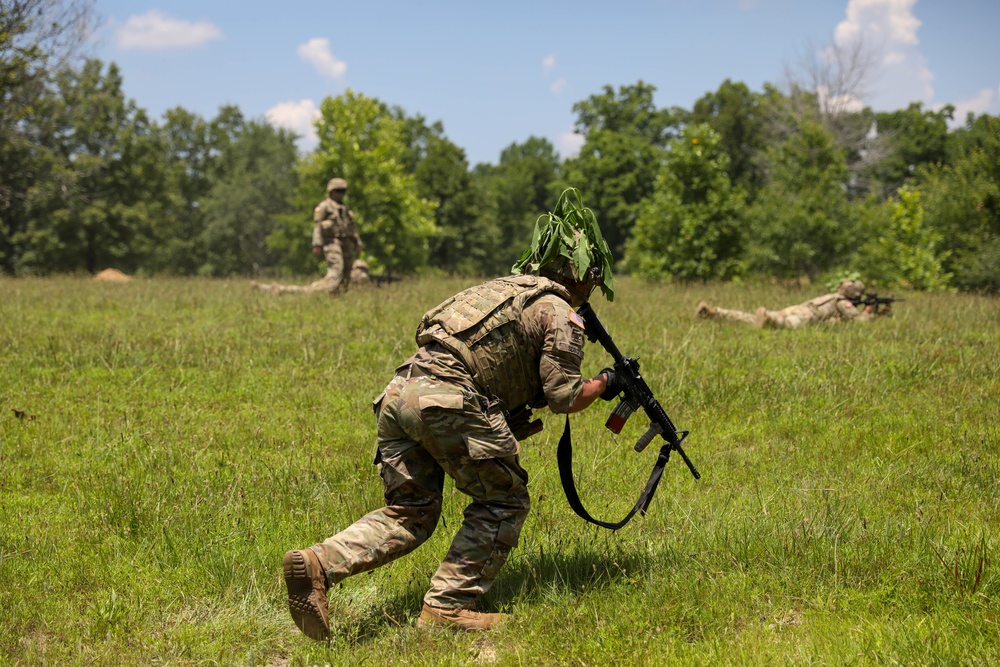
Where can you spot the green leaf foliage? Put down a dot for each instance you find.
(801, 223)
(904, 250)
(692, 226)
(361, 141)
(571, 231)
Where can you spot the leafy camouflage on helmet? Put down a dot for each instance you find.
(570, 234)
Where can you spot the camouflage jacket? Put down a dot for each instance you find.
(834, 306)
(515, 339)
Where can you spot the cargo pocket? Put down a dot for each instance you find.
(507, 538)
(494, 440)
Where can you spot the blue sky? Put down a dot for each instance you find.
(495, 73)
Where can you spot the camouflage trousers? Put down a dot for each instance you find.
(734, 315)
(792, 317)
(427, 429)
(340, 255)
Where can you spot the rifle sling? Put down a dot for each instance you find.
(564, 456)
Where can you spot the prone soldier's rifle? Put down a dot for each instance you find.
(873, 299)
(636, 395)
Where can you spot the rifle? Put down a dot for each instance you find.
(637, 394)
(873, 299)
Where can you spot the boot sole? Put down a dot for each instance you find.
(303, 599)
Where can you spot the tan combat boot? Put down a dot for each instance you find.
(306, 583)
(457, 619)
(760, 318)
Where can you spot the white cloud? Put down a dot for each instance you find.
(298, 117)
(569, 144)
(886, 20)
(317, 53)
(986, 101)
(154, 30)
(548, 63)
(839, 103)
(888, 29)
(557, 86)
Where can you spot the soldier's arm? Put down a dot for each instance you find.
(849, 312)
(317, 240)
(561, 354)
(319, 214)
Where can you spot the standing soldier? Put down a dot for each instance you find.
(335, 237)
(484, 354)
(834, 307)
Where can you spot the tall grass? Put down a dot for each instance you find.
(163, 442)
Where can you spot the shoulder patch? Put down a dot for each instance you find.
(576, 319)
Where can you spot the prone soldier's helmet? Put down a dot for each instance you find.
(336, 184)
(568, 247)
(852, 289)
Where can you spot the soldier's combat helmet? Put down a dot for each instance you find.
(336, 184)
(852, 289)
(568, 244)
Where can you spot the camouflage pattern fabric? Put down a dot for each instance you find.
(434, 420)
(833, 307)
(331, 282)
(516, 335)
(733, 315)
(336, 232)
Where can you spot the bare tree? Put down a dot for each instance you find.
(833, 82)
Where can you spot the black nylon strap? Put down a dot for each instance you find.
(564, 456)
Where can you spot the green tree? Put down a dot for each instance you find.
(734, 113)
(100, 200)
(913, 137)
(251, 191)
(625, 136)
(962, 203)
(36, 37)
(463, 242)
(904, 250)
(360, 140)
(801, 222)
(692, 226)
(516, 191)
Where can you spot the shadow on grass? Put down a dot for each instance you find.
(523, 580)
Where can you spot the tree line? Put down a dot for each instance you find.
(745, 184)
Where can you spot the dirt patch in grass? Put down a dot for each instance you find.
(112, 276)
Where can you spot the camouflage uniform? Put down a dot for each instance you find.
(336, 232)
(359, 276)
(501, 345)
(834, 307)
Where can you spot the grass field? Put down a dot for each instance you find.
(163, 442)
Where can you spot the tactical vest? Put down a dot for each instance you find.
(826, 305)
(335, 221)
(482, 327)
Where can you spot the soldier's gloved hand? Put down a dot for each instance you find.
(616, 384)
